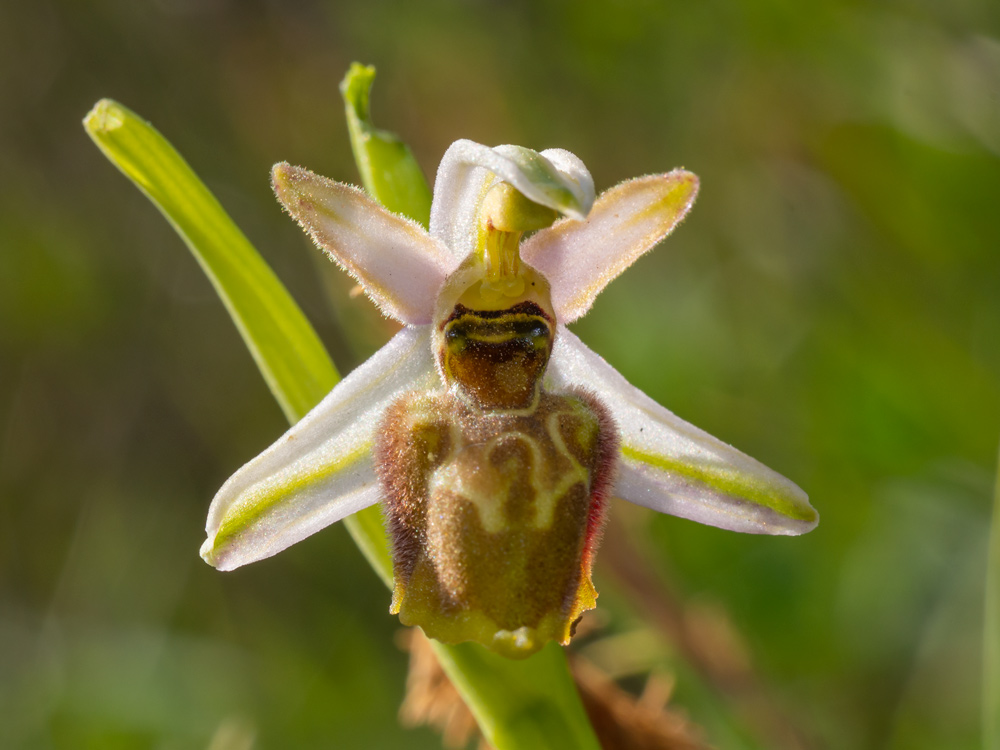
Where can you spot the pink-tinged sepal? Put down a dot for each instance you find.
(673, 467)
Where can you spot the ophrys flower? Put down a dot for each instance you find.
(490, 433)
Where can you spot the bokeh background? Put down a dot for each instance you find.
(832, 307)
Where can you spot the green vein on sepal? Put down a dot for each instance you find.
(730, 483)
(239, 517)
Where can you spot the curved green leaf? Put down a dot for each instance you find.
(289, 354)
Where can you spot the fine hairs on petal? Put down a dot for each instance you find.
(580, 258)
(400, 267)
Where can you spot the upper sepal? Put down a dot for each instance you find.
(673, 467)
(554, 178)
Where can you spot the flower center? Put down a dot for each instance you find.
(494, 322)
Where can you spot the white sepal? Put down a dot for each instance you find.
(673, 467)
(400, 267)
(554, 178)
(580, 258)
(321, 470)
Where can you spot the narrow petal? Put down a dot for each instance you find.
(396, 262)
(673, 467)
(321, 470)
(579, 258)
(553, 178)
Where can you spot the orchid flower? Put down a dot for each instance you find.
(492, 436)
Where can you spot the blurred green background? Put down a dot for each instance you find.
(832, 307)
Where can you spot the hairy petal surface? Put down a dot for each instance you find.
(580, 258)
(399, 265)
(673, 467)
(554, 178)
(321, 470)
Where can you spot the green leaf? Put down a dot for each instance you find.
(289, 354)
(991, 633)
(389, 171)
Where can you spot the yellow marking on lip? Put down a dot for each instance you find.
(505, 319)
(545, 513)
(491, 513)
(485, 499)
(764, 494)
(498, 329)
(494, 338)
